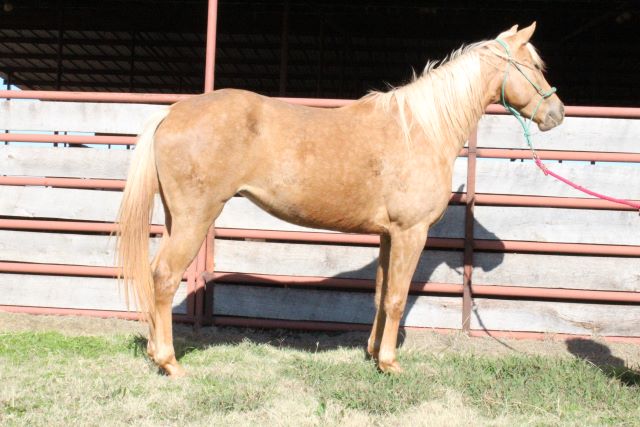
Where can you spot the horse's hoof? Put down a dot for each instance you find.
(372, 354)
(175, 371)
(392, 368)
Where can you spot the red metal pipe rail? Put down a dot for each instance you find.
(456, 198)
(560, 248)
(442, 243)
(549, 202)
(51, 311)
(111, 184)
(69, 139)
(323, 237)
(324, 282)
(584, 111)
(497, 153)
(342, 238)
(73, 226)
(482, 290)
(162, 98)
(124, 97)
(588, 156)
(57, 269)
(64, 270)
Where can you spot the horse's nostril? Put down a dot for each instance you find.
(557, 113)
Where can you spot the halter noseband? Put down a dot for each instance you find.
(510, 108)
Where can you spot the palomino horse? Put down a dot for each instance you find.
(380, 165)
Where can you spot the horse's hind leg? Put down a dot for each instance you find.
(178, 248)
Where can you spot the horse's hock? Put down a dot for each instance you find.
(546, 259)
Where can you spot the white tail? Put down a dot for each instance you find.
(134, 217)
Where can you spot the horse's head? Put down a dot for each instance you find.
(523, 87)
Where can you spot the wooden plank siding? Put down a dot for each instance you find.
(95, 117)
(575, 134)
(338, 261)
(85, 293)
(328, 306)
(557, 271)
(427, 311)
(355, 262)
(60, 248)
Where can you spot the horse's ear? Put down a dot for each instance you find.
(511, 31)
(524, 35)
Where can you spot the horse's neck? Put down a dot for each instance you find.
(461, 121)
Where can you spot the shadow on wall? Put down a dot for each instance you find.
(599, 355)
(433, 261)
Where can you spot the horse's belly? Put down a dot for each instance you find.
(320, 211)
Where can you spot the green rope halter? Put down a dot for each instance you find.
(510, 108)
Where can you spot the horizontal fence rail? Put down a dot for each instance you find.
(161, 98)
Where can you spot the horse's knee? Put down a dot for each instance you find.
(394, 306)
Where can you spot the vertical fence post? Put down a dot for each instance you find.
(191, 290)
(8, 83)
(209, 267)
(468, 232)
(210, 48)
(204, 259)
(199, 285)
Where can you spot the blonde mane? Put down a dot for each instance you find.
(445, 101)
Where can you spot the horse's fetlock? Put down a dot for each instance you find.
(164, 357)
(151, 350)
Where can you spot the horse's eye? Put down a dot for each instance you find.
(537, 67)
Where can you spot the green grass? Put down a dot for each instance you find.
(357, 384)
(49, 378)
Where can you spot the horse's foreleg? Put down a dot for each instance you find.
(373, 345)
(406, 247)
(176, 251)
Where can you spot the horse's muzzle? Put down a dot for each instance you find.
(555, 116)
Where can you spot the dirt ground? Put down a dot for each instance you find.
(595, 350)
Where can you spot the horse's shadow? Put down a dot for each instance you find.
(599, 355)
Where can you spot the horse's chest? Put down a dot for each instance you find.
(420, 194)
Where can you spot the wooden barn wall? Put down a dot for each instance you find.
(289, 258)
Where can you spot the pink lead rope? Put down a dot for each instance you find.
(547, 171)
(527, 135)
